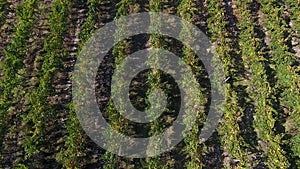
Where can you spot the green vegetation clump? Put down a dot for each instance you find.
(256, 41)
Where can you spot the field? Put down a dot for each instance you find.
(258, 43)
